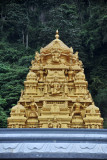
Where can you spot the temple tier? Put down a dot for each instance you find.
(55, 93)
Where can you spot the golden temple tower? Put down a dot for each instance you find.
(55, 92)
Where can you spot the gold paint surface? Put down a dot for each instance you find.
(55, 92)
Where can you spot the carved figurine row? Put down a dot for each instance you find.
(56, 57)
(19, 116)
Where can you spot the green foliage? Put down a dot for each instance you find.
(101, 101)
(3, 118)
(3, 102)
(26, 26)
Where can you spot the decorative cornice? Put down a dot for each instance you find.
(53, 143)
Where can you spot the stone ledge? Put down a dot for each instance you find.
(53, 143)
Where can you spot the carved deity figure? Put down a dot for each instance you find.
(41, 75)
(22, 93)
(77, 106)
(59, 125)
(50, 125)
(37, 58)
(55, 56)
(55, 88)
(88, 96)
(70, 74)
(34, 110)
(55, 108)
(75, 60)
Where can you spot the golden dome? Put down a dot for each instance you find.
(57, 45)
(31, 74)
(92, 107)
(18, 107)
(80, 75)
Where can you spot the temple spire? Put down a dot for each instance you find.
(57, 34)
(56, 92)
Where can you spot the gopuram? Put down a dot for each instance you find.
(55, 92)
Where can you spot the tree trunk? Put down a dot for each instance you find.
(27, 40)
(1, 19)
(80, 13)
(89, 7)
(23, 37)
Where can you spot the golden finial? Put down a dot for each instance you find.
(57, 35)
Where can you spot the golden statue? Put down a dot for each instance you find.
(55, 92)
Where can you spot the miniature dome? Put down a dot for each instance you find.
(31, 74)
(18, 108)
(80, 75)
(92, 109)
